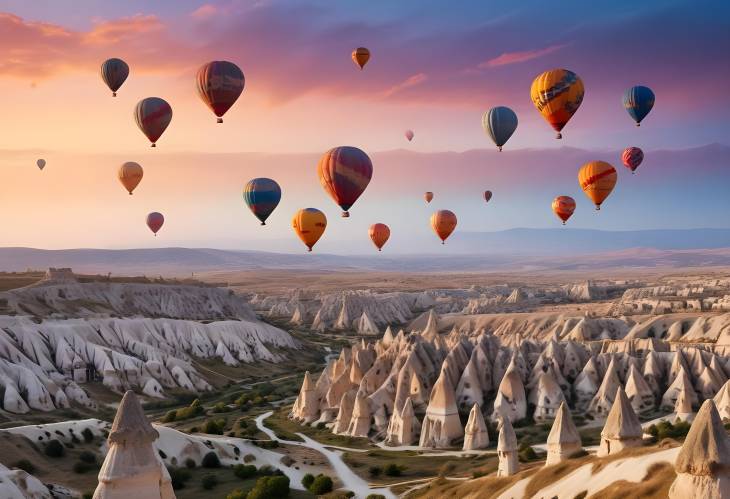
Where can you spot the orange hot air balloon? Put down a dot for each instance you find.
(130, 175)
(379, 233)
(557, 94)
(443, 223)
(563, 207)
(309, 224)
(361, 56)
(597, 179)
(428, 196)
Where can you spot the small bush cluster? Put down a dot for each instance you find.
(268, 487)
(215, 426)
(26, 466)
(54, 448)
(210, 460)
(393, 469)
(209, 481)
(665, 429)
(526, 453)
(244, 471)
(178, 477)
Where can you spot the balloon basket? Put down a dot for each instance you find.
(220, 120)
(598, 207)
(563, 223)
(130, 193)
(309, 250)
(114, 94)
(153, 145)
(500, 148)
(345, 214)
(638, 124)
(559, 136)
(263, 223)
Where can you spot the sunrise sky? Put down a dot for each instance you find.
(436, 66)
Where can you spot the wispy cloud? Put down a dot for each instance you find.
(409, 82)
(518, 57)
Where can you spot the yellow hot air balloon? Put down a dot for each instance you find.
(443, 223)
(597, 179)
(130, 175)
(361, 56)
(309, 224)
(557, 94)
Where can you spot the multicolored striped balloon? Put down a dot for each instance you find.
(632, 158)
(557, 94)
(638, 101)
(114, 72)
(597, 179)
(345, 172)
(500, 123)
(153, 115)
(262, 195)
(563, 207)
(220, 83)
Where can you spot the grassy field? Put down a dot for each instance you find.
(227, 483)
(286, 428)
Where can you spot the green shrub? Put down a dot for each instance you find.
(170, 417)
(26, 466)
(190, 463)
(392, 469)
(215, 426)
(237, 494)
(665, 429)
(307, 480)
(88, 435)
(87, 457)
(209, 481)
(270, 487)
(210, 460)
(321, 485)
(178, 477)
(54, 448)
(526, 453)
(220, 407)
(193, 410)
(244, 471)
(82, 467)
(375, 471)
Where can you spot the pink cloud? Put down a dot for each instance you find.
(409, 82)
(517, 57)
(204, 11)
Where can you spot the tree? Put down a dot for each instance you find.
(210, 460)
(307, 480)
(244, 471)
(392, 469)
(54, 448)
(270, 487)
(321, 485)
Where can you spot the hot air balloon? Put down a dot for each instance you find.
(153, 115)
(41, 163)
(500, 123)
(262, 195)
(487, 196)
(345, 173)
(409, 135)
(114, 72)
(220, 83)
(638, 101)
(130, 175)
(379, 233)
(443, 223)
(597, 179)
(428, 196)
(155, 221)
(361, 56)
(632, 158)
(557, 94)
(309, 224)
(563, 207)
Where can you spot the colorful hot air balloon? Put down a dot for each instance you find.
(309, 224)
(500, 123)
(345, 172)
(114, 72)
(632, 158)
(152, 116)
(409, 135)
(557, 94)
(597, 179)
(563, 207)
(41, 163)
(220, 83)
(379, 233)
(428, 196)
(155, 221)
(487, 196)
(361, 56)
(443, 223)
(638, 101)
(130, 175)
(262, 195)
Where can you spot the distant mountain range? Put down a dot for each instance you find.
(510, 250)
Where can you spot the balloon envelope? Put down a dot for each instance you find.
(563, 207)
(409, 135)
(428, 196)
(487, 196)
(557, 94)
(361, 56)
(500, 123)
(597, 179)
(41, 163)
(114, 72)
(153, 115)
(130, 175)
(379, 234)
(443, 223)
(632, 158)
(345, 172)
(638, 101)
(220, 83)
(262, 195)
(155, 221)
(309, 224)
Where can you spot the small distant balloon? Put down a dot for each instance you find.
(155, 221)
(428, 196)
(114, 72)
(41, 163)
(361, 56)
(153, 115)
(409, 135)
(563, 207)
(638, 101)
(262, 195)
(500, 123)
(309, 224)
(557, 95)
(443, 223)
(220, 83)
(487, 196)
(130, 175)
(632, 158)
(597, 179)
(345, 172)
(379, 234)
